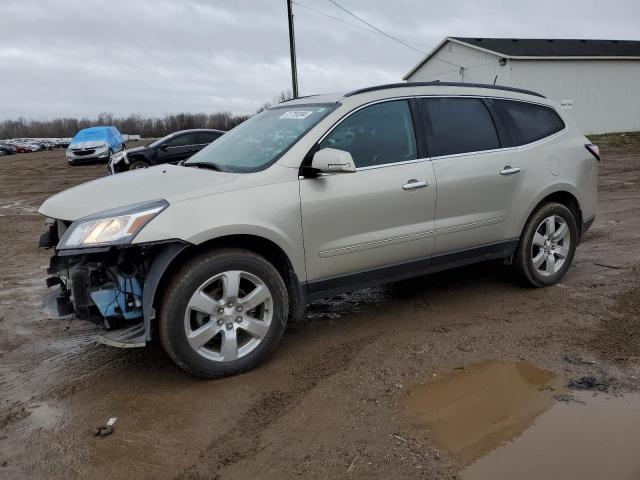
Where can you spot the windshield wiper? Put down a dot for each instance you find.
(207, 165)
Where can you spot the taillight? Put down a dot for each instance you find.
(594, 150)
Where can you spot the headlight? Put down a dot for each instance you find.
(112, 227)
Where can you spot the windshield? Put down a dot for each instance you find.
(162, 140)
(258, 142)
(90, 134)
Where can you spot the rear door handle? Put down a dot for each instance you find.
(413, 184)
(508, 170)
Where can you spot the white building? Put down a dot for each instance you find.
(598, 81)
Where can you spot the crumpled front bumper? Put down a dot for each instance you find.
(118, 163)
(113, 287)
(101, 154)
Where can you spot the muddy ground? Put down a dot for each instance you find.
(330, 401)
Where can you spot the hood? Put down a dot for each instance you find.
(124, 154)
(135, 149)
(168, 182)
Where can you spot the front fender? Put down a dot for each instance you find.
(270, 211)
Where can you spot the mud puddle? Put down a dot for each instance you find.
(515, 420)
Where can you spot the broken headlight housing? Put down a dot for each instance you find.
(112, 227)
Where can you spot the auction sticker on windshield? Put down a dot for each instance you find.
(296, 115)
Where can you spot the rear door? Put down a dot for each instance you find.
(480, 177)
(179, 148)
(204, 139)
(370, 224)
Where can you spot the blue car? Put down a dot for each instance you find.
(94, 144)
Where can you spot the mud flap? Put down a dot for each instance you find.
(156, 271)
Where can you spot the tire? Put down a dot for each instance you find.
(138, 164)
(547, 245)
(200, 340)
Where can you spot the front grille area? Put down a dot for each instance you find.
(83, 151)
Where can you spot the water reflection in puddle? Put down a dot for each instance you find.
(502, 420)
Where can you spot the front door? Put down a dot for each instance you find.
(371, 222)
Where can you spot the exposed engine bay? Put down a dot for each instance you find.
(106, 285)
(104, 288)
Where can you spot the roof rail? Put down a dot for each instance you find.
(441, 84)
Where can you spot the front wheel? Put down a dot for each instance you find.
(223, 313)
(136, 164)
(547, 245)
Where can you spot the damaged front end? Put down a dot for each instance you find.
(111, 285)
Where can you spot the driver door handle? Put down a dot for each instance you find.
(509, 170)
(414, 184)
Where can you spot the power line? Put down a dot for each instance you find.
(341, 20)
(377, 29)
(395, 39)
(333, 18)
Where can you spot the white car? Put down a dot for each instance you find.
(317, 196)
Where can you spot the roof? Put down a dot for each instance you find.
(442, 84)
(550, 47)
(196, 130)
(309, 99)
(538, 48)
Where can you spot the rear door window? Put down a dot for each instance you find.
(527, 122)
(207, 137)
(377, 135)
(183, 140)
(457, 125)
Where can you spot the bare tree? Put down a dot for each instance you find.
(133, 124)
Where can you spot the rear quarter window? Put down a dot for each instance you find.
(527, 122)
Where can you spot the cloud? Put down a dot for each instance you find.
(82, 57)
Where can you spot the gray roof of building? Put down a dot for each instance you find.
(540, 47)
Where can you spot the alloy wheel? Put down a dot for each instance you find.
(228, 316)
(550, 246)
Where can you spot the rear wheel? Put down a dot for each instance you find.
(547, 245)
(223, 313)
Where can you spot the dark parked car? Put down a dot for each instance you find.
(7, 149)
(170, 149)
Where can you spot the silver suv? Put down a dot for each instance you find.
(317, 196)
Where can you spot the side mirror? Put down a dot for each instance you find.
(332, 160)
(164, 146)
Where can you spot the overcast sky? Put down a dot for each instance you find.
(153, 57)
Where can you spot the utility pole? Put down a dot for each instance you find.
(292, 49)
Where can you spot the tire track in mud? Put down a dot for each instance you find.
(618, 339)
(233, 446)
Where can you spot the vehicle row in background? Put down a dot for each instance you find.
(173, 148)
(28, 145)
